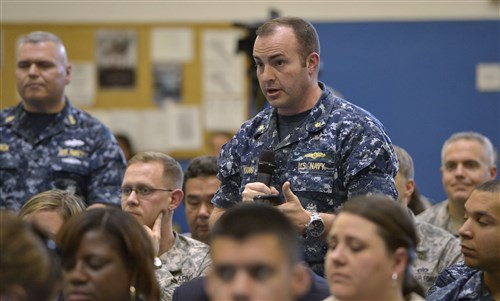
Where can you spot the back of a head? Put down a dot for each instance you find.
(126, 236)
(395, 227)
(63, 202)
(246, 220)
(29, 267)
(406, 168)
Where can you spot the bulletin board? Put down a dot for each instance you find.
(80, 42)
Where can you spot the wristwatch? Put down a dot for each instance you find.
(315, 227)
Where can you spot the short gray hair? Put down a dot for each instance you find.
(40, 37)
(474, 136)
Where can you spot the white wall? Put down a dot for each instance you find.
(67, 11)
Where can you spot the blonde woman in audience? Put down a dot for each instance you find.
(51, 209)
(107, 255)
(371, 246)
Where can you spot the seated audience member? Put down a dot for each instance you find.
(467, 160)
(256, 256)
(29, 269)
(371, 246)
(51, 209)
(107, 255)
(217, 141)
(418, 202)
(151, 191)
(437, 248)
(200, 185)
(125, 145)
(478, 277)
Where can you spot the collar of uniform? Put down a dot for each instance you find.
(320, 113)
(68, 114)
(266, 121)
(17, 115)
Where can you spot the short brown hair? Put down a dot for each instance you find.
(305, 33)
(172, 170)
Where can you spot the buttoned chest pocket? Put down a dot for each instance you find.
(312, 171)
(70, 174)
(10, 166)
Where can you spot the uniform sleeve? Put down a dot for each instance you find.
(369, 162)
(106, 170)
(452, 253)
(229, 168)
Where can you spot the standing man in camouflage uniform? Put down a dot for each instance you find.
(478, 277)
(48, 144)
(467, 160)
(436, 248)
(327, 148)
(151, 191)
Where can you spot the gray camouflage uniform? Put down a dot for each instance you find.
(339, 151)
(76, 153)
(436, 250)
(187, 259)
(438, 216)
(459, 282)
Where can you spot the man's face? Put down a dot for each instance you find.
(253, 269)
(41, 75)
(199, 192)
(146, 209)
(465, 166)
(480, 233)
(283, 76)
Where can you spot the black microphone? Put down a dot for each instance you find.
(266, 166)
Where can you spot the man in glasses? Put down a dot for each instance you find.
(151, 191)
(256, 255)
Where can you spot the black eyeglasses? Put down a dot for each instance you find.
(258, 271)
(142, 191)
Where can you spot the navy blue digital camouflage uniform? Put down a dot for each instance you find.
(75, 152)
(459, 282)
(340, 151)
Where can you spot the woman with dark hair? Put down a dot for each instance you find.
(29, 266)
(107, 255)
(371, 246)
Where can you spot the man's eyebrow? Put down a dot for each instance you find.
(479, 214)
(271, 57)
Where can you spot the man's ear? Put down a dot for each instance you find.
(176, 199)
(312, 63)
(410, 188)
(301, 280)
(67, 70)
